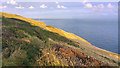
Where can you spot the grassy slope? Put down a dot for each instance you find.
(44, 26)
(21, 46)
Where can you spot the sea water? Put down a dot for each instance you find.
(100, 33)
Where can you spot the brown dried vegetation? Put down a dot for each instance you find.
(66, 56)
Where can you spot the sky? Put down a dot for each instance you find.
(84, 9)
(63, 0)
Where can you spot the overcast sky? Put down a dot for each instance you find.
(62, 10)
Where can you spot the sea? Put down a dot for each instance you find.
(100, 33)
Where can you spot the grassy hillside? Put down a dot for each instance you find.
(44, 26)
(24, 43)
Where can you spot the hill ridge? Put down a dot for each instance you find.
(44, 26)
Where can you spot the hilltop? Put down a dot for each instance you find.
(28, 42)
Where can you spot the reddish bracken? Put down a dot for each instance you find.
(72, 53)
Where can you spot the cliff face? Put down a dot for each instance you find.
(29, 42)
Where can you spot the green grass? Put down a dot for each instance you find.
(14, 31)
(14, 25)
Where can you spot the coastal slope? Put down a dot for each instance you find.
(30, 42)
(44, 26)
